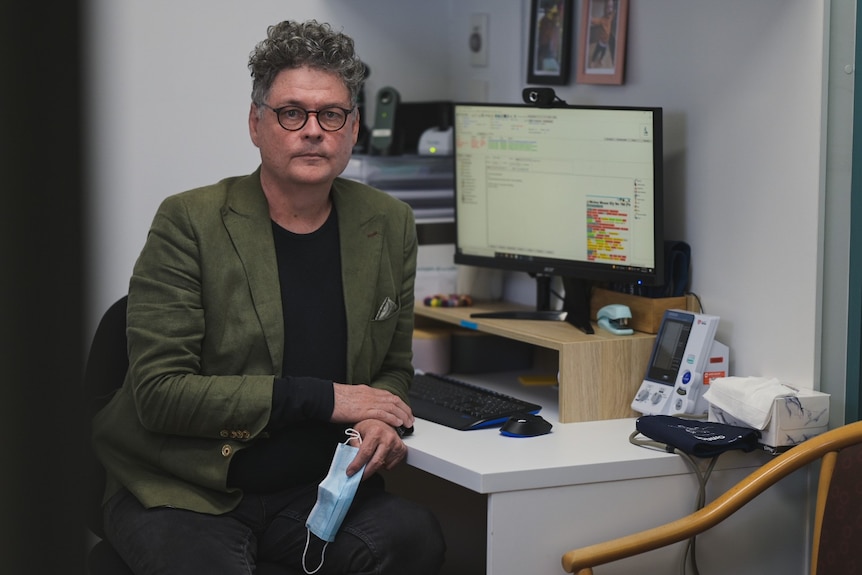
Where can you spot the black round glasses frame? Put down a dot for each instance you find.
(340, 117)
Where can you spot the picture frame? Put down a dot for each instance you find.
(550, 49)
(602, 41)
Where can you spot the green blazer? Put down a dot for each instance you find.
(206, 334)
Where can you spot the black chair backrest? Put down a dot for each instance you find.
(106, 368)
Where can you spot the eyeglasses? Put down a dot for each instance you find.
(293, 118)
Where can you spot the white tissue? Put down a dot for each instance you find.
(748, 399)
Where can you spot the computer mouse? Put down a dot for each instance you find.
(526, 425)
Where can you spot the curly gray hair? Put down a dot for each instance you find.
(292, 44)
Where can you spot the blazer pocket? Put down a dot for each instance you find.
(386, 310)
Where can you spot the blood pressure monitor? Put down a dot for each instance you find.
(684, 360)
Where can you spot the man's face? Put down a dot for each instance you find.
(310, 155)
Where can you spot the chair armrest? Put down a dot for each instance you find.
(582, 560)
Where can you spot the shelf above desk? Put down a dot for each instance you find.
(599, 373)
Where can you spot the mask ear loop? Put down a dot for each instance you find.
(304, 551)
(352, 434)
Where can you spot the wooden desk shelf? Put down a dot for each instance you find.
(599, 373)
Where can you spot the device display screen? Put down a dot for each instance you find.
(669, 348)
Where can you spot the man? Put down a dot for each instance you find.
(266, 315)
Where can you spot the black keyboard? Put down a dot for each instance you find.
(460, 405)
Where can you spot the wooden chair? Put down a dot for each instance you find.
(837, 536)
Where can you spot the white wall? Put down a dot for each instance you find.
(742, 85)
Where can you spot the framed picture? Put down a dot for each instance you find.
(602, 43)
(550, 42)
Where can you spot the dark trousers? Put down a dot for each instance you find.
(382, 534)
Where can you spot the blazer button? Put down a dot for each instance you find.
(224, 433)
(225, 450)
(246, 435)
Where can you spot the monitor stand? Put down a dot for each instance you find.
(578, 293)
(576, 308)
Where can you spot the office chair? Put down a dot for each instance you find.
(104, 374)
(837, 527)
(106, 368)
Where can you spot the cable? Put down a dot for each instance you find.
(697, 297)
(702, 479)
(557, 295)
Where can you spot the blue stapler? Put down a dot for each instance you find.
(614, 318)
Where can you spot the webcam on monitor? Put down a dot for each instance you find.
(544, 97)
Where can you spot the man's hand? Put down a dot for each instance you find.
(381, 448)
(360, 402)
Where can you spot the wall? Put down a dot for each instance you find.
(742, 87)
(742, 84)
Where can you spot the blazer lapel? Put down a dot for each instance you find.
(361, 238)
(246, 218)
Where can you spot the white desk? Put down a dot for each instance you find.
(513, 506)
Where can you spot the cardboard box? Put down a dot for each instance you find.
(793, 420)
(647, 312)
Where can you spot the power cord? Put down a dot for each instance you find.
(699, 303)
(702, 479)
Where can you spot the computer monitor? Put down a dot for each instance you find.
(569, 191)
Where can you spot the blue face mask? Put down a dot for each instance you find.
(334, 496)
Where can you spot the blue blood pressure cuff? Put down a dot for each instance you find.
(697, 437)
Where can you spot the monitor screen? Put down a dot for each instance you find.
(569, 191)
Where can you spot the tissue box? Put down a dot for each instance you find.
(793, 420)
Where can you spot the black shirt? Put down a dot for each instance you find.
(301, 440)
